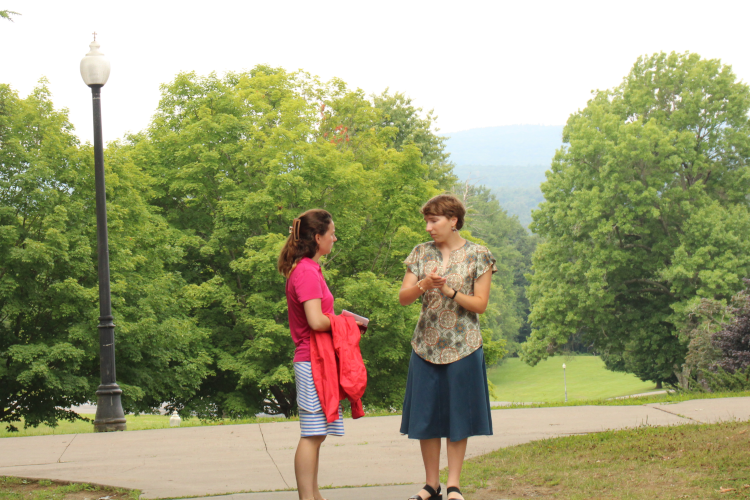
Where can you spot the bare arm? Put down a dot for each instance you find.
(315, 317)
(410, 288)
(478, 302)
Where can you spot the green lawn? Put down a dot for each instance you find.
(658, 397)
(515, 381)
(686, 461)
(147, 422)
(134, 422)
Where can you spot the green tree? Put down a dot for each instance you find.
(512, 246)
(48, 284)
(733, 340)
(718, 338)
(412, 126)
(43, 250)
(6, 14)
(234, 160)
(645, 213)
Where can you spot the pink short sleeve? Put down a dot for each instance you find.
(307, 284)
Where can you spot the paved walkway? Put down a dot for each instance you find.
(219, 460)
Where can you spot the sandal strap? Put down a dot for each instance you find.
(429, 489)
(452, 489)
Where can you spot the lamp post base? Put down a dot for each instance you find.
(109, 414)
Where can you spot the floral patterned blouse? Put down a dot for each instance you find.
(446, 332)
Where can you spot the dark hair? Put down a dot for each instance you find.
(301, 242)
(446, 205)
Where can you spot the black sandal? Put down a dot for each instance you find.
(434, 495)
(451, 489)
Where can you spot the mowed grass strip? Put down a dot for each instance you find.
(148, 422)
(134, 423)
(663, 398)
(15, 488)
(588, 379)
(687, 461)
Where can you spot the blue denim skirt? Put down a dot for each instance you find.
(447, 401)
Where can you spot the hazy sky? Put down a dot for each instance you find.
(478, 64)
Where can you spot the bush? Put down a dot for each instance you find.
(720, 380)
(734, 339)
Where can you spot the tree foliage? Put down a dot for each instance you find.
(718, 335)
(512, 246)
(645, 213)
(199, 206)
(733, 340)
(702, 321)
(234, 160)
(43, 253)
(48, 284)
(6, 14)
(398, 113)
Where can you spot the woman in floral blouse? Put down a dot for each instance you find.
(446, 391)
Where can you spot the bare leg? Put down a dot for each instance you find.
(306, 466)
(456, 454)
(431, 458)
(316, 491)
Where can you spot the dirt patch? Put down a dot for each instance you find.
(515, 493)
(16, 488)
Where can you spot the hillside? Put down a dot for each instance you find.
(507, 145)
(511, 160)
(587, 378)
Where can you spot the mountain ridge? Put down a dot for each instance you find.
(511, 160)
(512, 145)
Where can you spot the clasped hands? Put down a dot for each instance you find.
(434, 281)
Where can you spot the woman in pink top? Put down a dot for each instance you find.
(308, 299)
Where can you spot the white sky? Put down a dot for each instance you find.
(478, 64)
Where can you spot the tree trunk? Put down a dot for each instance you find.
(683, 377)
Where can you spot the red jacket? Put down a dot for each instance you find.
(337, 367)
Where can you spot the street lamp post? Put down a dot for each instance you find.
(565, 382)
(109, 415)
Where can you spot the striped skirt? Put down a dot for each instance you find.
(312, 420)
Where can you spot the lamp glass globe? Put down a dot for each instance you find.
(95, 66)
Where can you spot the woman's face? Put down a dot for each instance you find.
(440, 227)
(325, 241)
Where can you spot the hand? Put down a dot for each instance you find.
(433, 280)
(362, 327)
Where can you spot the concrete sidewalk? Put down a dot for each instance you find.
(218, 460)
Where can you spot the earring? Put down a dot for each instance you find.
(454, 229)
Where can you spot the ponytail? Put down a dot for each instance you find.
(301, 241)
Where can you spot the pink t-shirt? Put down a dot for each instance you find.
(305, 283)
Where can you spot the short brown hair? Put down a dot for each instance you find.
(446, 205)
